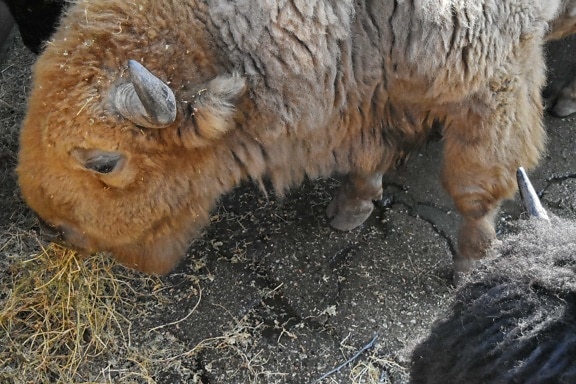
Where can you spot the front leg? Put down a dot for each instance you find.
(353, 203)
(475, 237)
(486, 138)
(479, 173)
(477, 189)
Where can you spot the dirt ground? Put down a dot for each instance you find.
(272, 294)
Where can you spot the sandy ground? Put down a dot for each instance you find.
(272, 294)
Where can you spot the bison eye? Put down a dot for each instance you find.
(97, 160)
(102, 164)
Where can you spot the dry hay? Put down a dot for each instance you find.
(59, 312)
(59, 315)
(69, 319)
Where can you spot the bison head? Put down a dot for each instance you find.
(116, 159)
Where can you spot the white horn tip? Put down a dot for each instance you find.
(529, 196)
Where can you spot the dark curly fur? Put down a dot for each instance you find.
(515, 319)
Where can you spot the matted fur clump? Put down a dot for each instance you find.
(514, 321)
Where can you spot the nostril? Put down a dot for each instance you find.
(63, 234)
(50, 232)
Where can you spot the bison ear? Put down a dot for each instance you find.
(214, 106)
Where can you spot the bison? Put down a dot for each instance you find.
(564, 103)
(514, 321)
(36, 19)
(6, 23)
(142, 114)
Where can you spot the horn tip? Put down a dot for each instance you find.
(529, 196)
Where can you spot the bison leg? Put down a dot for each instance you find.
(477, 200)
(486, 138)
(474, 239)
(478, 175)
(353, 203)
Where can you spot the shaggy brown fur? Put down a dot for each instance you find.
(324, 87)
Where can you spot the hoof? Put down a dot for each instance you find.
(353, 202)
(346, 215)
(564, 107)
(565, 104)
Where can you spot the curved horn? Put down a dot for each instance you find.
(529, 196)
(145, 100)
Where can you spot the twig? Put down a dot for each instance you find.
(350, 360)
(182, 319)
